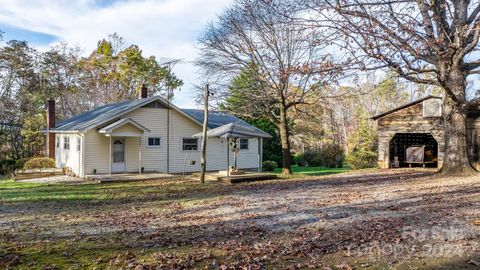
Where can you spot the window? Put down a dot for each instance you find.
(66, 143)
(153, 142)
(79, 141)
(58, 141)
(243, 144)
(189, 144)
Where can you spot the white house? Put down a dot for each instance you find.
(145, 135)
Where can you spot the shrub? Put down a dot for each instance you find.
(361, 158)
(311, 158)
(329, 156)
(333, 156)
(20, 163)
(269, 165)
(7, 166)
(39, 163)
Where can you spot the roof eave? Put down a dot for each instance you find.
(402, 107)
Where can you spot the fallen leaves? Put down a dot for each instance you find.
(288, 224)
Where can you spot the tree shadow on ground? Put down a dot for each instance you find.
(305, 230)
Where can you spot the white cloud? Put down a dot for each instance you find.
(167, 28)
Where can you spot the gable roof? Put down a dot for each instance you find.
(403, 107)
(103, 114)
(107, 113)
(121, 122)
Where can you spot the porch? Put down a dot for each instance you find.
(125, 177)
(125, 146)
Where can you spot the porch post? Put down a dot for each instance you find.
(110, 156)
(259, 142)
(140, 155)
(228, 159)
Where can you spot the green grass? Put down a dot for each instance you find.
(313, 171)
(11, 191)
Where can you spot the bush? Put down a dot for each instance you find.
(311, 158)
(7, 166)
(330, 155)
(20, 163)
(361, 158)
(269, 165)
(333, 156)
(39, 163)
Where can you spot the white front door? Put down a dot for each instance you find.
(118, 155)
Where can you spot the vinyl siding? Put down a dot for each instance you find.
(97, 152)
(68, 158)
(155, 158)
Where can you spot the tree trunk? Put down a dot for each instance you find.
(285, 141)
(456, 159)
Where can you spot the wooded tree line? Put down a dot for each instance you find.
(113, 72)
(303, 56)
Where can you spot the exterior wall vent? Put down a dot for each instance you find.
(432, 107)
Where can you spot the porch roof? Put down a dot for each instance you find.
(114, 129)
(235, 130)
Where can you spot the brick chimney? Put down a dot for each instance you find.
(143, 91)
(50, 147)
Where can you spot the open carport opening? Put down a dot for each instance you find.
(403, 141)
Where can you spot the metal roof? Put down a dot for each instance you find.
(100, 115)
(215, 118)
(235, 130)
(104, 114)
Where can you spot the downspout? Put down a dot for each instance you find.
(139, 155)
(228, 159)
(82, 156)
(168, 136)
(259, 155)
(110, 157)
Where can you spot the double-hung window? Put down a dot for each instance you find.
(79, 144)
(153, 142)
(189, 144)
(66, 143)
(243, 144)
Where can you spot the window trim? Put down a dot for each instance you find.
(147, 142)
(66, 143)
(187, 138)
(240, 144)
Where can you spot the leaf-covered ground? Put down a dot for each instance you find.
(402, 219)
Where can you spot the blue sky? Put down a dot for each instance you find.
(164, 28)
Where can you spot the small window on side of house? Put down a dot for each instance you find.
(189, 144)
(153, 142)
(66, 143)
(79, 144)
(243, 144)
(57, 139)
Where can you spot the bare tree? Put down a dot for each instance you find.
(286, 59)
(424, 41)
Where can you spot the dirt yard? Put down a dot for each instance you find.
(397, 219)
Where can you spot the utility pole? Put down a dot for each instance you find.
(204, 135)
